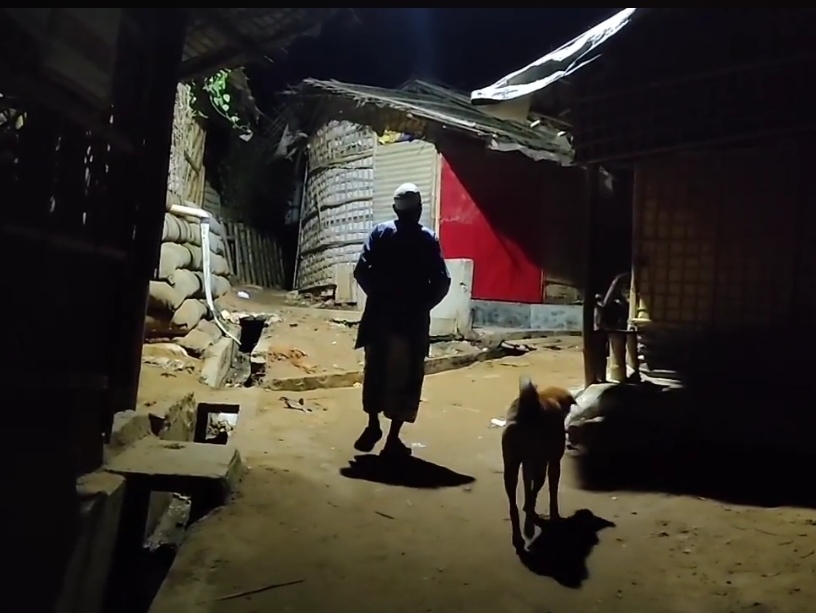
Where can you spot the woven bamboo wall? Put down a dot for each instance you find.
(715, 238)
(337, 212)
(186, 173)
(717, 245)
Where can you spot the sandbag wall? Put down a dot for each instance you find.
(177, 302)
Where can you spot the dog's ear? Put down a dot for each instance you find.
(527, 387)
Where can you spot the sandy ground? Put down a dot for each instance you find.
(306, 337)
(308, 531)
(307, 341)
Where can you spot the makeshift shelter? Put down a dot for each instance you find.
(482, 181)
(717, 128)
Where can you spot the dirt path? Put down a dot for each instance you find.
(354, 544)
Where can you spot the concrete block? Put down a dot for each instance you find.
(101, 497)
(206, 410)
(352, 377)
(344, 284)
(128, 427)
(315, 382)
(200, 338)
(452, 316)
(171, 466)
(514, 315)
(174, 419)
(445, 363)
(495, 314)
(556, 317)
(217, 362)
(259, 356)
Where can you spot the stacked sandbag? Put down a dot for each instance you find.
(177, 301)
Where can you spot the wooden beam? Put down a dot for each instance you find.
(153, 121)
(590, 345)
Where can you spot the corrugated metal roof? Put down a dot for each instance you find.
(419, 104)
(228, 37)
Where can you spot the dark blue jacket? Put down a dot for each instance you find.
(404, 276)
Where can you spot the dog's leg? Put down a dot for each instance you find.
(539, 477)
(528, 475)
(511, 470)
(554, 473)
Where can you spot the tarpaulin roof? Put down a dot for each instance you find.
(558, 64)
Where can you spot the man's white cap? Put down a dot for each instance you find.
(407, 196)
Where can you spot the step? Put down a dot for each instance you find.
(204, 472)
(172, 466)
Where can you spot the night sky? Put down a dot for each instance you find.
(462, 48)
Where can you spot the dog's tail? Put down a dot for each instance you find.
(528, 405)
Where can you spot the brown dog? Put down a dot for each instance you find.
(534, 440)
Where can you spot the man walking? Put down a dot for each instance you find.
(404, 276)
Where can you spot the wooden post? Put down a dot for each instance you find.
(632, 355)
(590, 285)
(143, 178)
(617, 346)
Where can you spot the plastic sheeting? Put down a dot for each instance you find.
(494, 223)
(557, 64)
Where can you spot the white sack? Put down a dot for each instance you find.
(588, 405)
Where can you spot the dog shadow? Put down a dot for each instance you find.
(561, 549)
(407, 472)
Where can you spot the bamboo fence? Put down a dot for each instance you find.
(255, 258)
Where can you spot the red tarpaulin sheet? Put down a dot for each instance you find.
(488, 214)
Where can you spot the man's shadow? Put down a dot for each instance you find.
(561, 549)
(407, 472)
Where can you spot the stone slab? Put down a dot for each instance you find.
(200, 338)
(217, 362)
(350, 378)
(170, 419)
(515, 315)
(493, 337)
(172, 466)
